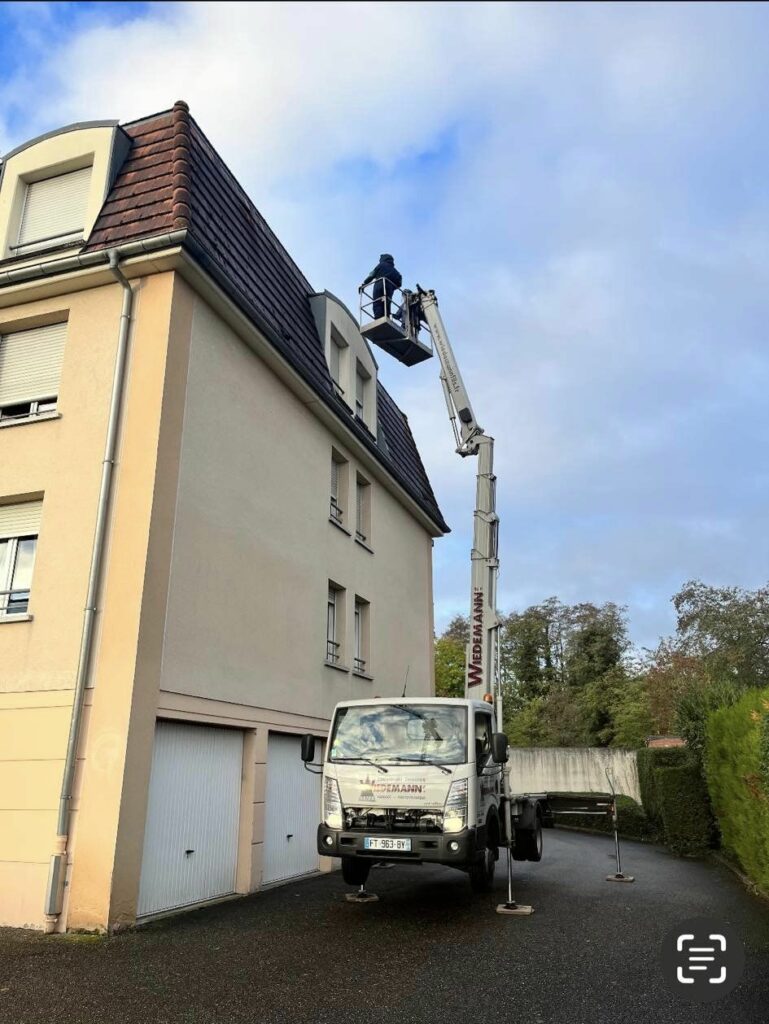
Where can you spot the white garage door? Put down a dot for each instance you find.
(191, 836)
(292, 812)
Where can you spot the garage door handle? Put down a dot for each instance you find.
(290, 835)
(188, 852)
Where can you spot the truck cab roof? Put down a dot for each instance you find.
(480, 705)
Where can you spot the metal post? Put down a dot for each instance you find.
(619, 875)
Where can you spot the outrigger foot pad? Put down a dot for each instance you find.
(361, 897)
(515, 909)
(620, 876)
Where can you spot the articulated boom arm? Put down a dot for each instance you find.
(482, 663)
(458, 404)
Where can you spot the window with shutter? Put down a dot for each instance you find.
(19, 528)
(54, 211)
(30, 369)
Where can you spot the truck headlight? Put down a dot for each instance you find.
(455, 809)
(332, 804)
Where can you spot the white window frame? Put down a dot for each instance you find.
(360, 650)
(41, 408)
(360, 392)
(336, 512)
(362, 510)
(7, 589)
(333, 646)
(336, 359)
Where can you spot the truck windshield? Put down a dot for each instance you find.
(400, 732)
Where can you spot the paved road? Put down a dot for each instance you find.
(429, 951)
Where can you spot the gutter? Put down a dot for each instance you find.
(58, 866)
(95, 258)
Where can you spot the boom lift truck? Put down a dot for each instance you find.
(424, 779)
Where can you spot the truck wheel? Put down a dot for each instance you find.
(482, 871)
(528, 843)
(355, 871)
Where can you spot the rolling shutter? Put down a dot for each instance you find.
(55, 208)
(30, 364)
(20, 520)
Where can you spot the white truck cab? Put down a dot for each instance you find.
(418, 779)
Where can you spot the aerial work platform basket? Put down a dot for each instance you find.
(389, 319)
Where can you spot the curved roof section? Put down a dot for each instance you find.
(174, 179)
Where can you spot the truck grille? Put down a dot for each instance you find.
(393, 819)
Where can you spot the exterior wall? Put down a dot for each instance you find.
(254, 549)
(60, 460)
(112, 797)
(213, 598)
(253, 552)
(573, 770)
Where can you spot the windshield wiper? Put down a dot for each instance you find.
(366, 760)
(424, 760)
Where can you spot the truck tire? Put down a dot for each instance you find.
(355, 870)
(482, 871)
(528, 842)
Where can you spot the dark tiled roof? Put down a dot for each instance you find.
(173, 179)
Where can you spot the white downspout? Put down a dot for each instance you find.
(55, 890)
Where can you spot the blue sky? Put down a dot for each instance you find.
(586, 188)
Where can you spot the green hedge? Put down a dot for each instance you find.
(633, 823)
(737, 770)
(675, 798)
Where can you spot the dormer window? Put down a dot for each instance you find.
(361, 378)
(54, 211)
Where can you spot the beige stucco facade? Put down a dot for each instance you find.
(213, 595)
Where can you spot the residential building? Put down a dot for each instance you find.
(214, 524)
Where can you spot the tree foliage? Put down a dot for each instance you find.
(571, 676)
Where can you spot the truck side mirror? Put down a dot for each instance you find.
(499, 748)
(308, 748)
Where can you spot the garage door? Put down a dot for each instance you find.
(292, 812)
(191, 836)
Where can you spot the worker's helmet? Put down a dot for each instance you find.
(386, 256)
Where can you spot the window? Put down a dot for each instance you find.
(338, 501)
(19, 527)
(360, 393)
(361, 655)
(334, 623)
(362, 509)
(30, 368)
(336, 361)
(482, 739)
(54, 211)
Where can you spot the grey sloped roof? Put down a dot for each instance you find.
(174, 179)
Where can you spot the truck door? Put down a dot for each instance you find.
(487, 772)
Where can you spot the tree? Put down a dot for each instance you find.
(596, 642)
(727, 628)
(449, 667)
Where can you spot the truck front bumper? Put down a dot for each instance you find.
(460, 848)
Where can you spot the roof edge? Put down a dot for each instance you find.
(75, 127)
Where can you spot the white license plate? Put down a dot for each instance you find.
(398, 845)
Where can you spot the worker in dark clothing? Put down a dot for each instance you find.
(386, 279)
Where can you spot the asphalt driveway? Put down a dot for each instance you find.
(429, 951)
